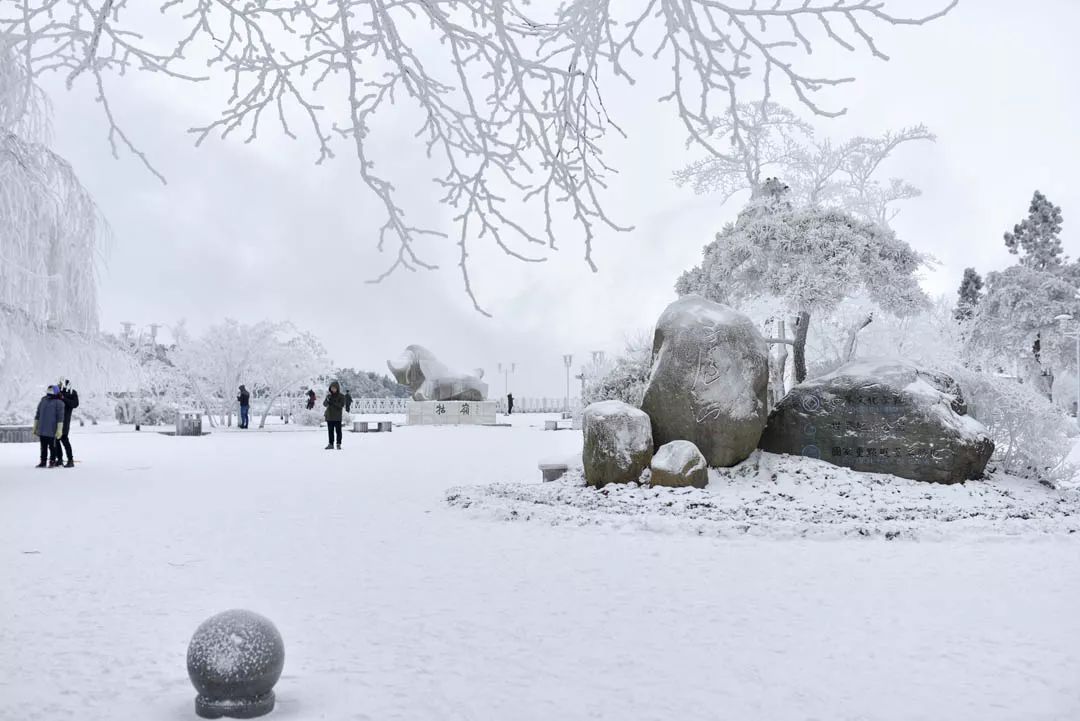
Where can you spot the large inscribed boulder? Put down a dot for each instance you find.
(882, 416)
(618, 443)
(709, 377)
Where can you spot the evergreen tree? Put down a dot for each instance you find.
(970, 292)
(1038, 236)
(807, 260)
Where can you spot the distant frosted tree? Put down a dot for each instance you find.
(366, 384)
(506, 95)
(623, 378)
(809, 260)
(288, 361)
(1019, 309)
(768, 140)
(268, 358)
(970, 292)
(1037, 237)
(1017, 314)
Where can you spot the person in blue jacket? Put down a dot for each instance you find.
(49, 426)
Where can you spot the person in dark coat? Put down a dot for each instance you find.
(334, 404)
(243, 399)
(70, 397)
(509, 403)
(310, 399)
(348, 402)
(49, 425)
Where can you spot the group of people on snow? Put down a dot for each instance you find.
(52, 425)
(52, 421)
(336, 403)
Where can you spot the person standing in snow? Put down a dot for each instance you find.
(70, 397)
(334, 404)
(509, 404)
(49, 425)
(243, 399)
(348, 401)
(310, 399)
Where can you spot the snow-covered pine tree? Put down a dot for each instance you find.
(808, 259)
(1037, 237)
(970, 292)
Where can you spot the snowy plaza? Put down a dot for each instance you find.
(504, 360)
(394, 604)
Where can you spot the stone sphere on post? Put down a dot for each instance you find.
(234, 659)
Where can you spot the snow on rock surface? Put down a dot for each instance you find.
(677, 464)
(882, 415)
(618, 443)
(709, 379)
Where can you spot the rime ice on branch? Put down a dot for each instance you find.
(507, 94)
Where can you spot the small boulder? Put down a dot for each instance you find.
(709, 379)
(882, 416)
(618, 443)
(679, 464)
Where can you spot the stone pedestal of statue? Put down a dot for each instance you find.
(451, 413)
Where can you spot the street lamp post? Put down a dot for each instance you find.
(1074, 333)
(567, 361)
(506, 369)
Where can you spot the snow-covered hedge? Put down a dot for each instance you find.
(1031, 435)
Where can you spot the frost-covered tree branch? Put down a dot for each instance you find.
(768, 140)
(505, 95)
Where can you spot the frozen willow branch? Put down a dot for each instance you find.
(768, 140)
(504, 95)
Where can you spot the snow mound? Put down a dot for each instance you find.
(789, 497)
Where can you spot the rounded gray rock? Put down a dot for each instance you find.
(678, 464)
(618, 443)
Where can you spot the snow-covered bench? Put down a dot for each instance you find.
(553, 471)
(372, 426)
(558, 423)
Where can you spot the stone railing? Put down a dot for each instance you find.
(375, 406)
(540, 405)
(17, 434)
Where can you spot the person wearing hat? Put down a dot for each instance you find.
(334, 404)
(49, 425)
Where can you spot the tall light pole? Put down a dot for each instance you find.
(567, 361)
(1073, 333)
(506, 369)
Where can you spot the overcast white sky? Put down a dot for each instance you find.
(259, 232)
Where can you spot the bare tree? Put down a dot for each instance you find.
(506, 95)
(768, 140)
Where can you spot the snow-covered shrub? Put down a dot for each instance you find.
(314, 417)
(625, 378)
(1031, 436)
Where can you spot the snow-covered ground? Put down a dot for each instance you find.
(397, 604)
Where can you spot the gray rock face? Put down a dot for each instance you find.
(882, 416)
(430, 380)
(679, 464)
(709, 377)
(618, 443)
